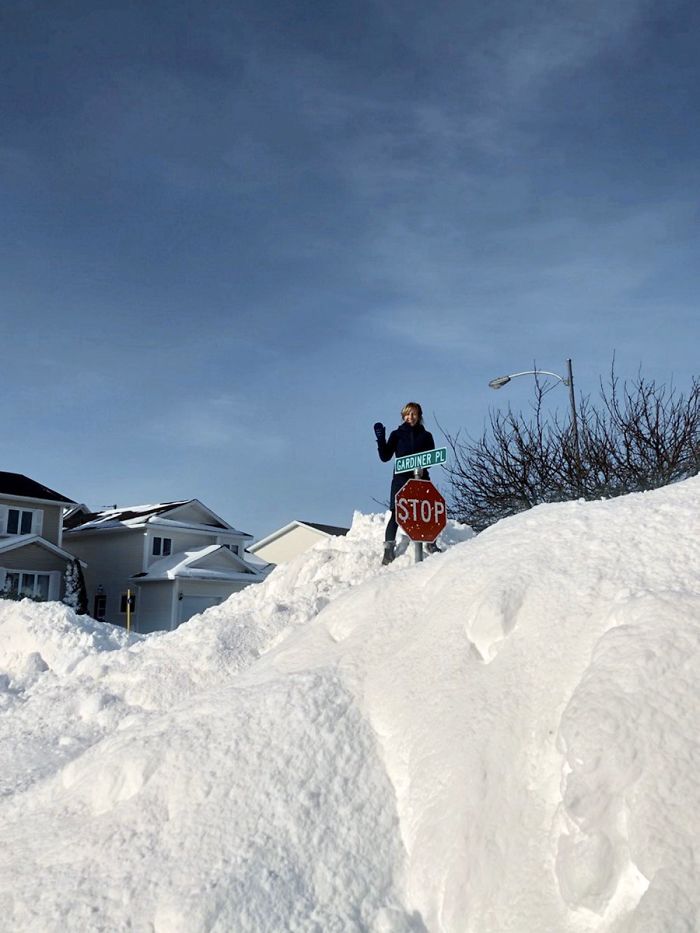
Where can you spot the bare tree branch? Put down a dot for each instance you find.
(639, 436)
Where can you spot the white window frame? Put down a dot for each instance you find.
(35, 527)
(53, 575)
(161, 552)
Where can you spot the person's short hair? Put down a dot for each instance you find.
(412, 406)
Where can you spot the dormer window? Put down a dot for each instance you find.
(19, 521)
(162, 547)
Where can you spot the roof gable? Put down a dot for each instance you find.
(23, 487)
(115, 517)
(77, 515)
(186, 513)
(196, 513)
(16, 542)
(221, 559)
(213, 561)
(325, 531)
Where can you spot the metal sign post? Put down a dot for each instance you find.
(417, 545)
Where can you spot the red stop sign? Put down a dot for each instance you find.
(420, 510)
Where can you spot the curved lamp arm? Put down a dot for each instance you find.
(500, 381)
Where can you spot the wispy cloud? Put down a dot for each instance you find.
(570, 271)
(554, 40)
(217, 423)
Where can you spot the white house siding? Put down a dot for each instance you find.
(155, 607)
(181, 541)
(220, 561)
(32, 557)
(51, 526)
(36, 559)
(290, 544)
(51, 521)
(198, 595)
(184, 541)
(161, 608)
(103, 552)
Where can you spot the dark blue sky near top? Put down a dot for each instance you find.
(234, 235)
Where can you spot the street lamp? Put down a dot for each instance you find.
(500, 381)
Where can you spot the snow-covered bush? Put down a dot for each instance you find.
(75, 589)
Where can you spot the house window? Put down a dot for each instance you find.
(19, 521)
(100, 607)
(23, 583)
(132, 601)
(162, 546)
(232, 547)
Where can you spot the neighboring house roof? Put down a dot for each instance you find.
(194, 564)
(262, 566)
(22, 487)
(132, 515)
(77, 509)
(18, 541)
(327, 530)
(136, 516)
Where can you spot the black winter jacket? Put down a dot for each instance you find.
(405, 440)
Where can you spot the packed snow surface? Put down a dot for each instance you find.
(502, 738)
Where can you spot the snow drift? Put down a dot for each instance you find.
(503, 738)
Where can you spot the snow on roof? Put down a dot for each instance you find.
(193, 564)
(134, 516)
(502, 737)
(262, 566)
(125, 515)
(143, 509)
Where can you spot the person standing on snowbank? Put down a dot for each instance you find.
(410, 437)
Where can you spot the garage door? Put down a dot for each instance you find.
(191, 605)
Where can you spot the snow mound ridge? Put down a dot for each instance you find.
(628, 722)
(500, 739)
(37, 637)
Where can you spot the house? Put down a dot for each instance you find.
(295, 538)
(32, 558)
(174, 559)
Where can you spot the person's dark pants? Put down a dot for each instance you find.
(398, 481)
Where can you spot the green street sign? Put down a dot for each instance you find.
(420, 461)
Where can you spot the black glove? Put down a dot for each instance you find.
(379, 431)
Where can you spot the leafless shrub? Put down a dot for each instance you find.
(638, 436)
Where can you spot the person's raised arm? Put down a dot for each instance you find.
(386, 449)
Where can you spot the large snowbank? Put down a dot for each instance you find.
(503, 738)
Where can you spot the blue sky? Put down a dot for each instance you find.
(234, 235)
